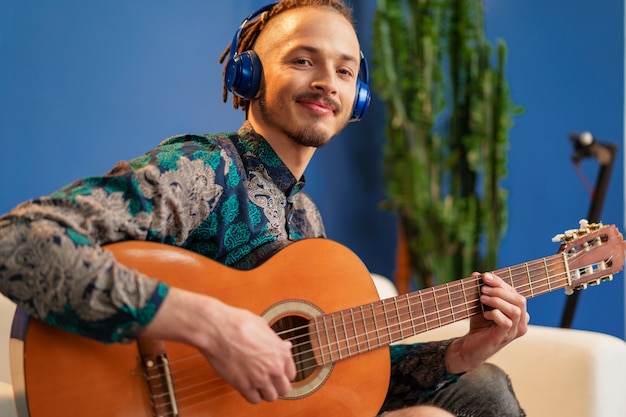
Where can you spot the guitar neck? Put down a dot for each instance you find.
(357, 330)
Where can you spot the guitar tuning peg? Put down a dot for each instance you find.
(567, 236)
(584, 224)
(607, 278)
(558, 238)
(572, 234)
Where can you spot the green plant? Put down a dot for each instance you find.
(448, 113)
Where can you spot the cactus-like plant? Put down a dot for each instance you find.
(448, 111)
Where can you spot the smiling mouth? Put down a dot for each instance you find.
(317, 108)
(318, 105)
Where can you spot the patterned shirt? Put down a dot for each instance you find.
(223, 196)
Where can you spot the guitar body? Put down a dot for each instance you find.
(68, 375)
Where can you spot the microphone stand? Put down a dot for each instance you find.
(586, 146)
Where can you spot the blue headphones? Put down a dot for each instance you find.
(244, 70)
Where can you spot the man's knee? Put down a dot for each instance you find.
(486, 391)
(488, 377)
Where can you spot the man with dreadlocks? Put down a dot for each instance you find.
(237, 198)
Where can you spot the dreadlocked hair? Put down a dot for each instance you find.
(252, 30)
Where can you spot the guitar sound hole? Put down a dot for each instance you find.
(296, 329)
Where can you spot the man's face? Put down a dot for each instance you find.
(310, 60)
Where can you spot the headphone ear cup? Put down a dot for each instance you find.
(243, 74)
(361, 101)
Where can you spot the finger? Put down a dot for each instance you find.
(282, 385)
(505, 292)
(268, 393)
(511, 306)
(493, 280)
(509, 329)
(501, 320)
(510, 319)
(252, 396)
(290, 366)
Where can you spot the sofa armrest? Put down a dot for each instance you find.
(7, 405)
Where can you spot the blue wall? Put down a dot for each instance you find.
(85, 84)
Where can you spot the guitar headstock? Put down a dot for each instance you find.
(594, 252)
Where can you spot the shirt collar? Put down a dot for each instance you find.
(258, 152)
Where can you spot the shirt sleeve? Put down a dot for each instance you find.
(418, 371)
(53, 258)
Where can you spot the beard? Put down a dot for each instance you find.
(305, 135)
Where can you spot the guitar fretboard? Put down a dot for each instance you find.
(356, 330)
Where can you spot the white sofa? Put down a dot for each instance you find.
(555, 372)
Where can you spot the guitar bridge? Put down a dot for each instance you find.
(158, 377)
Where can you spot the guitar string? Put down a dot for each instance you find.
(439, 318)
(542, 265)
(182, 388)
(463, 290)
(196, 393)
(198, 399)
(210, 388)
(436, 317)
(528, 287)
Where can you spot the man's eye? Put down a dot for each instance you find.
(345, 72)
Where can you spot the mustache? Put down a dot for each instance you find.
(333, 104)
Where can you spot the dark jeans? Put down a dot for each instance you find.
(484, 392)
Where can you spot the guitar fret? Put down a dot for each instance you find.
(514, 281)
(365, 332)
(346, 336)
(477, 306)
(459, 301)
(397, 309)
(435, 305)
(548, 281)
(530, 283)
(376, 328)
(450, 300)
(319, 340)
(465, 303)
(356, 331)
(411, 315)
(337, 335)
(424, 316)
(330, 350)
(386, 336)
(334, 348)
(433, 310)
(387, 326)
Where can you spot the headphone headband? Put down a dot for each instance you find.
(234, 45)
(244, 71)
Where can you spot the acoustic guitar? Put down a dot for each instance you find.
(315, 292)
